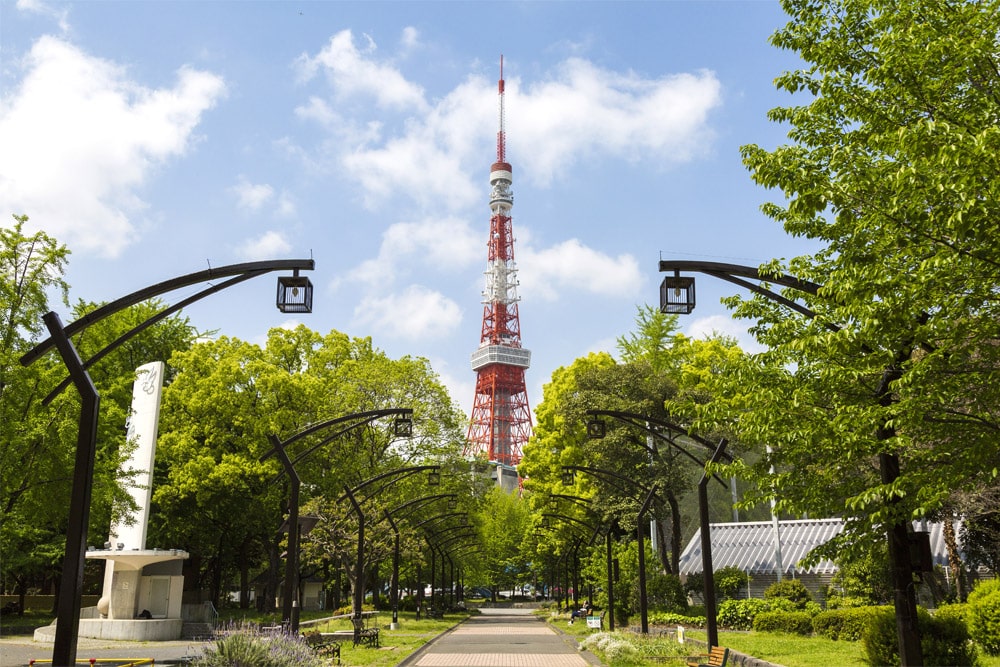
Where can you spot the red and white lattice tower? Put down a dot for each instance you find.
(501, 418)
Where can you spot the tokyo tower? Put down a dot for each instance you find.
(501, 418)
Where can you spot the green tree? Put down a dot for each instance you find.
(228, 396)
(503, 523)
(892, 170)
(38, 455)
(34, 461)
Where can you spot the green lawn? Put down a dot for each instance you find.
(781, 649)
(396, 644)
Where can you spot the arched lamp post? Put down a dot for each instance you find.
(433, 478)
(402, 427)
(294, 295)
(568, 475)
(596, 429)
(585, 504)
(677, 296)
(409, 506)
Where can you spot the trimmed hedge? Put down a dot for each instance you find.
(984, 615)
(794, 622)
(669, 618)
(848, 623)
(944, 642)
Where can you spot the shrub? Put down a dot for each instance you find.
(739, 614)
(729, 581)
(943, 642)
(794, 622)
(609, 643)
(984, 616)
(959, 611)
(789, 589)
(846, 624)
(247, 646)
(665, 591)
(668, 618)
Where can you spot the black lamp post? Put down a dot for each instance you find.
(596, 429)
(410, 506)
(899, 540)
(434, 478)
(71, 583)
(568, 475)
(402, 426)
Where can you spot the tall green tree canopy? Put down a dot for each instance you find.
(893, 167)
(38, 451)
(214, 468)
(661, 372)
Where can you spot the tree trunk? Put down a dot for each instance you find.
(675, 532)
(954, 559)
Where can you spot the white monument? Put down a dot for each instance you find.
(143, 587)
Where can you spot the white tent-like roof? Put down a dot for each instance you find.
(751, 546)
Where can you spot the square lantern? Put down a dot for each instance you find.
(434, 476)
(677, 295)
(568, 477)
(295, 294)
(596, 429)
(402, 427)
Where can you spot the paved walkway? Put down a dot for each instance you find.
(502, 638)
(18, 651)
(495, 638)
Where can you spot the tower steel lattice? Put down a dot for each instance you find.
(501, 418)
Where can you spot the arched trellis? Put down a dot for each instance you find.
(640, 537)
(677, 296)
(294, 295)
(595, 429)
(434, 478)
(402, 425)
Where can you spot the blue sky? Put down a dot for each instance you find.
(158, 138)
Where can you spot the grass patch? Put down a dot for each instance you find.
(396, 644)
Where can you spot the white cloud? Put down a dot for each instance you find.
(250, 196)
(704, 327)
(410, 38)
(573, 266)
(61, 15)
(460, 382)
(441, 245)
(428, 151)
(268, 246)
(350, 73)
(416, 313)
(584, 110)
(285, 206)
(80, 140)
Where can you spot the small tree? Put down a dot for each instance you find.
(789, 589)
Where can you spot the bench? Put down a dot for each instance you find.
(717, 657)
(430, 612)
(323, 644)
(596, 621)
(366, 636)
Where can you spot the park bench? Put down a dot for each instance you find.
(596, 622)
(716, 657)
(323, 644)
(434, 613)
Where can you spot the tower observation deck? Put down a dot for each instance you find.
(501, 418)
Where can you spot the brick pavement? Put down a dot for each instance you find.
(502, 638)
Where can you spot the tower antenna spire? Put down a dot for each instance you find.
(501, 135)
